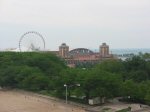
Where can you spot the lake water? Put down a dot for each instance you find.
(129, 51)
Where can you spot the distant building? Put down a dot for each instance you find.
(104, 50)
(63, 50)
(83, 55)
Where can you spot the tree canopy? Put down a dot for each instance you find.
(37, 71)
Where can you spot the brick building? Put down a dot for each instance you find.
(83, 55)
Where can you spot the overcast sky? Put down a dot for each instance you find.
(78, 23)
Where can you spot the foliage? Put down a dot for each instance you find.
(33, 71)
(45, 72)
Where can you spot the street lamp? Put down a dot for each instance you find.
(65, 85)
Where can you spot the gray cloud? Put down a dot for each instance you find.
(121, 23)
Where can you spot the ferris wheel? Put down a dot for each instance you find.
(31, 41)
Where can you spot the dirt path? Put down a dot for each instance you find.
(13, 101)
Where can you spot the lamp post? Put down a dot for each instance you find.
(65, 85)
